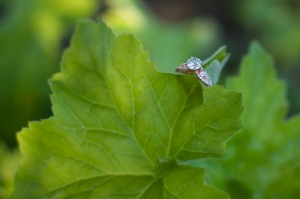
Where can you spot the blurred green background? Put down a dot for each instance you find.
(34, 33)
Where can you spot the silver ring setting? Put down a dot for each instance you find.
(194, 66)
(194, 63)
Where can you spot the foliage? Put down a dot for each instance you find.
(123, 130)
(263, 160)
(8, 165)
(31, 33)
(108, 86)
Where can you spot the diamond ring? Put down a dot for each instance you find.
(194, 66)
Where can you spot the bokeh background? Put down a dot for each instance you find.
(34, 34)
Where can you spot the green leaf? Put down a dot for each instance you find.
(260, 87)
(215, 63)
(121, 129)
(187, 182)
(219, 56)
(263, 159)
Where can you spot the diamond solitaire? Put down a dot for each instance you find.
(194, 63)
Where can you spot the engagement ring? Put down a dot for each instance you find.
(194, 66)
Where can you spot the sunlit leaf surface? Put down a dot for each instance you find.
(121, 129)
